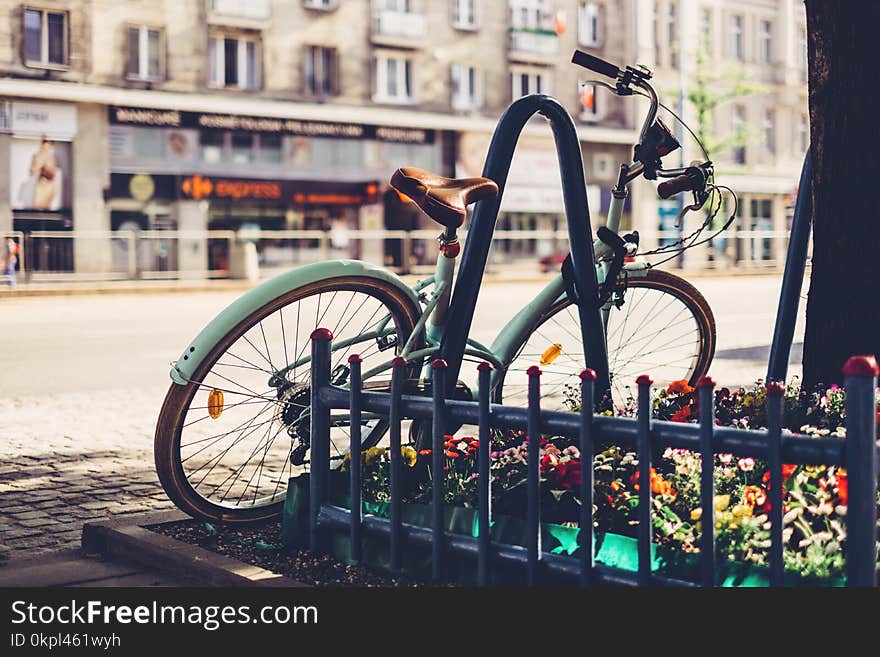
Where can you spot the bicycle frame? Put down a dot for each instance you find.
(446, 318)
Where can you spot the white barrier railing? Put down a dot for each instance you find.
(164, 254)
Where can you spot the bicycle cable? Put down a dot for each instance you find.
(677, 247)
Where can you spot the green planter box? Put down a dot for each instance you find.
(611, 549)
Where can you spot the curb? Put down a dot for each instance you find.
(126, 538)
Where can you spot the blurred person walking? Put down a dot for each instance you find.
(10, 260)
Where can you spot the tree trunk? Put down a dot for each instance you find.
(843, 307)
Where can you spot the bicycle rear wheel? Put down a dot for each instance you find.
(228, 441)
(664, 328)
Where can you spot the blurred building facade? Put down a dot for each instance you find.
(291, 115)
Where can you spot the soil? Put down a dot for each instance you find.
(260, 545)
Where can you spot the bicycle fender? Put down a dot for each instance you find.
(185, 366)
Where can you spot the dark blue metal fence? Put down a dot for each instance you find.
(858, 453)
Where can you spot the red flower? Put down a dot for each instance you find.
(843, 489)
(787, 470)
(567, 474)
(681, 387)
(452, 455)
(424, 452)
(682, 414)
(659, 486)
(754, 496)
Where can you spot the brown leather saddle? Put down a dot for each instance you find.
(445, 200)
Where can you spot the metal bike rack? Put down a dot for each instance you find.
(476, 249)
(793, 278)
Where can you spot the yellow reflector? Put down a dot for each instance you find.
(215, 403)
(551, 353)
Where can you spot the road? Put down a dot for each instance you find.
(82, 379)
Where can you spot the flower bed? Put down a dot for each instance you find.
(815, 497)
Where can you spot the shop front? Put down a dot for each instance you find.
(40, 162)
(295, 187)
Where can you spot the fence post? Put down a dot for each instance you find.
(131, 242)
(320, 431)
(397, 374)
(437, 457)
(706, 393)
(643, 451)
(484, 480)
(354, 452)
(533, 510)
(775, 393)
(587, 449)
(861, 469)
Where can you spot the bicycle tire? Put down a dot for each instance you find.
(178, 400)
(657, 280)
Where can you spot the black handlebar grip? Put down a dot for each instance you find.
(595, 64)
(675, 185)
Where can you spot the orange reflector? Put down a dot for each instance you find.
(551, 353)
(215, 403)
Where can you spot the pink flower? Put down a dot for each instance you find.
(746, 464)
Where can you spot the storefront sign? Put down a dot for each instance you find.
(55, 120)
(198, 187)
(296, 127)
(283, 193)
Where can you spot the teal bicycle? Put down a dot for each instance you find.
(234, 426)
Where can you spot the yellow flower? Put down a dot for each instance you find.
(345, 461)
(409, 455)
(696, 514)
(372, 454)
(721, 502)
(740, 510)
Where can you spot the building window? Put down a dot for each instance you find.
(589, 102)
(464, 14)
(672, 34)
(804, 133)
(211, 144)
(736, 38)
(234, 62)
(523, 83)
(706, 28)
(394, 83)
(242, 147)
(465, 87)
(269, 147)
(45, 38)
(531, 14)
(588, 24)
(403, 6)
(738, 126)
(320, 4)
(769, 130)
(321, 71)
(765, 39)
(145, 53)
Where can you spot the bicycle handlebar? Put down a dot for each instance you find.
(595, 64)
(692, 180)
(674, 186)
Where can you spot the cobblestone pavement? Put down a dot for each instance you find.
(82, 380)
(66, 469)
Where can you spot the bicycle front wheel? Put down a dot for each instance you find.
(228, 441)
(663, 327)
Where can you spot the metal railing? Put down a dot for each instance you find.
(155, 254)
(858, 453)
